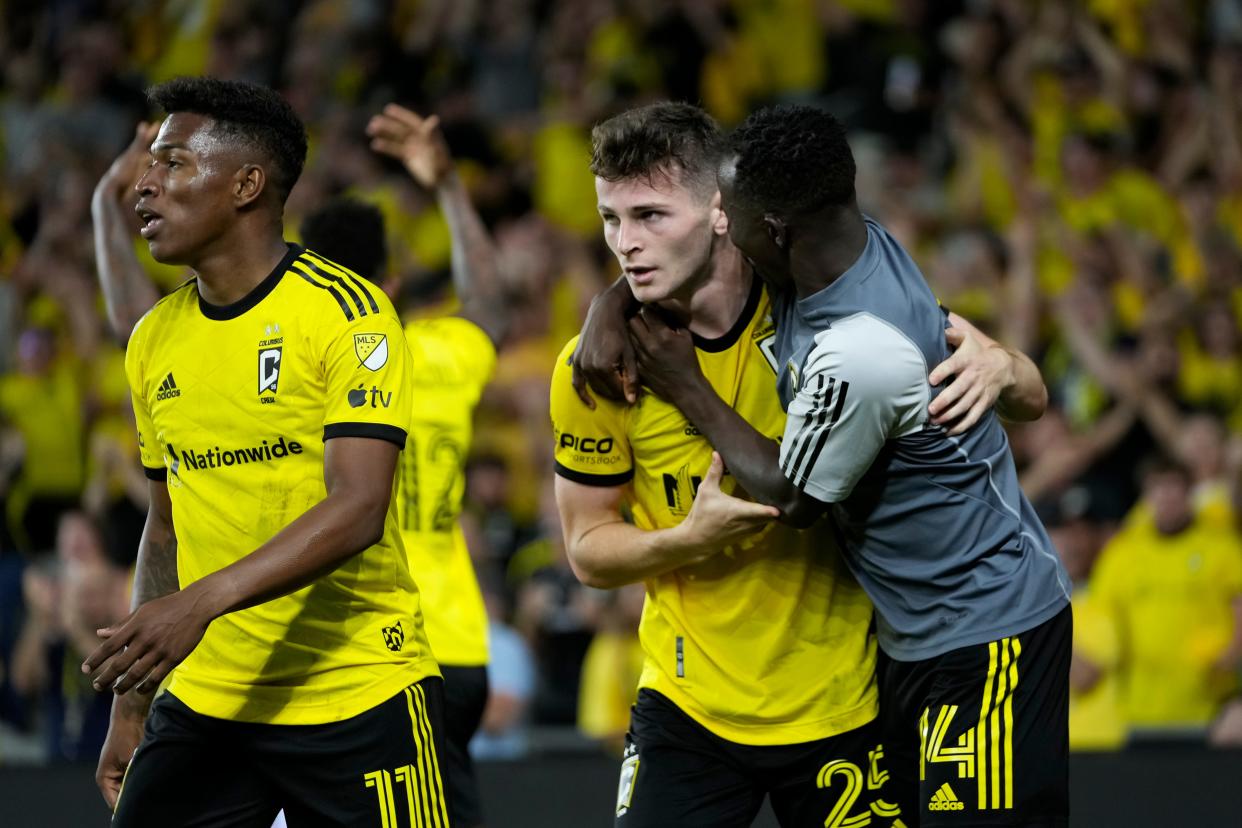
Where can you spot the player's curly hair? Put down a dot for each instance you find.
(245, 111)
(351, 233)
(657, 140)
(792, 158)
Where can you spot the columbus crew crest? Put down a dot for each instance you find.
(371, 350)
(394, 637)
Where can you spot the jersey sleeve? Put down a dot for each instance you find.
(861, 385)
(460, 347)
(368, 380)
(589, 446)
(149, 451)
(475, 347)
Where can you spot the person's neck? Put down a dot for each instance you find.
(715, 299)
(819, 258)
(236, 264)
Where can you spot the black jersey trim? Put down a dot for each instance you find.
(724, 343)
(586, 479)
(363, 287)
(307, 266)
(374, 431)
(160, 474)
(340, 300)
(223, 313)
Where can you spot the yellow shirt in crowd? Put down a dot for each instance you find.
(1170, 599)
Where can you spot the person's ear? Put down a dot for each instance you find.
(778, 230)
(720, 221)
(248, 184)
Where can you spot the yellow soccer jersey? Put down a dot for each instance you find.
(453, 359)
(1170, 598)
(766, 643)
(233, 405)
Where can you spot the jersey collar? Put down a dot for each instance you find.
(223, 313)
(724, 343)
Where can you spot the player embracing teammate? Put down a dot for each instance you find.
(971, 604)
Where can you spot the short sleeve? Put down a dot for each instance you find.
(862, 384)
(368, 380)
(461, 353)
(149, 451)
(476, 348)
(589, 446)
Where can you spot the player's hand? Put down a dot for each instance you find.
(717, 520)
(128, 167)
(666, 357)
(415, 141)
(980, 373)
(603, 360)
(124, 734)
(141, 650)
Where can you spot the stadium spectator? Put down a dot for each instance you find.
(511, 678)
(69, 595)
(1173, 591)
(41, 401)
(611, 670)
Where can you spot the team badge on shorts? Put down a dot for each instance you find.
(394, 637)
(629, 775)
(371, 350)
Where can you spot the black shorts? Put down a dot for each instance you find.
(678, 773)
(465, 696)
(980, 736)
(379, 768)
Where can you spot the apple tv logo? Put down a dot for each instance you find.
(359, 396)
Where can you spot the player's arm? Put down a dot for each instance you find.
(143, 648)
(418, 143)
(155, 576)
(607, 552)
(985, 373)
(127, 291)
(847, 406)
(669, 367)
(603, 360)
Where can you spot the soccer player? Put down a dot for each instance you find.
(453, 359)
(759, 665)
(972, 604)
(272, 393)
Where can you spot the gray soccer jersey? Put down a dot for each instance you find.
(935, 527)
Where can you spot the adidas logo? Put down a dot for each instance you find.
(168, 388)
(945, 800)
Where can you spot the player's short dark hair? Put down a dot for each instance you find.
(657, 139)
(248, 112)
(350, 233)
(793, 158)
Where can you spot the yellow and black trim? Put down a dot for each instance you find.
(994, 733)
(427, 808)
(373, 431)
(618, 479)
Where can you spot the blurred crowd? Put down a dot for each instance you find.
(1068, 174)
